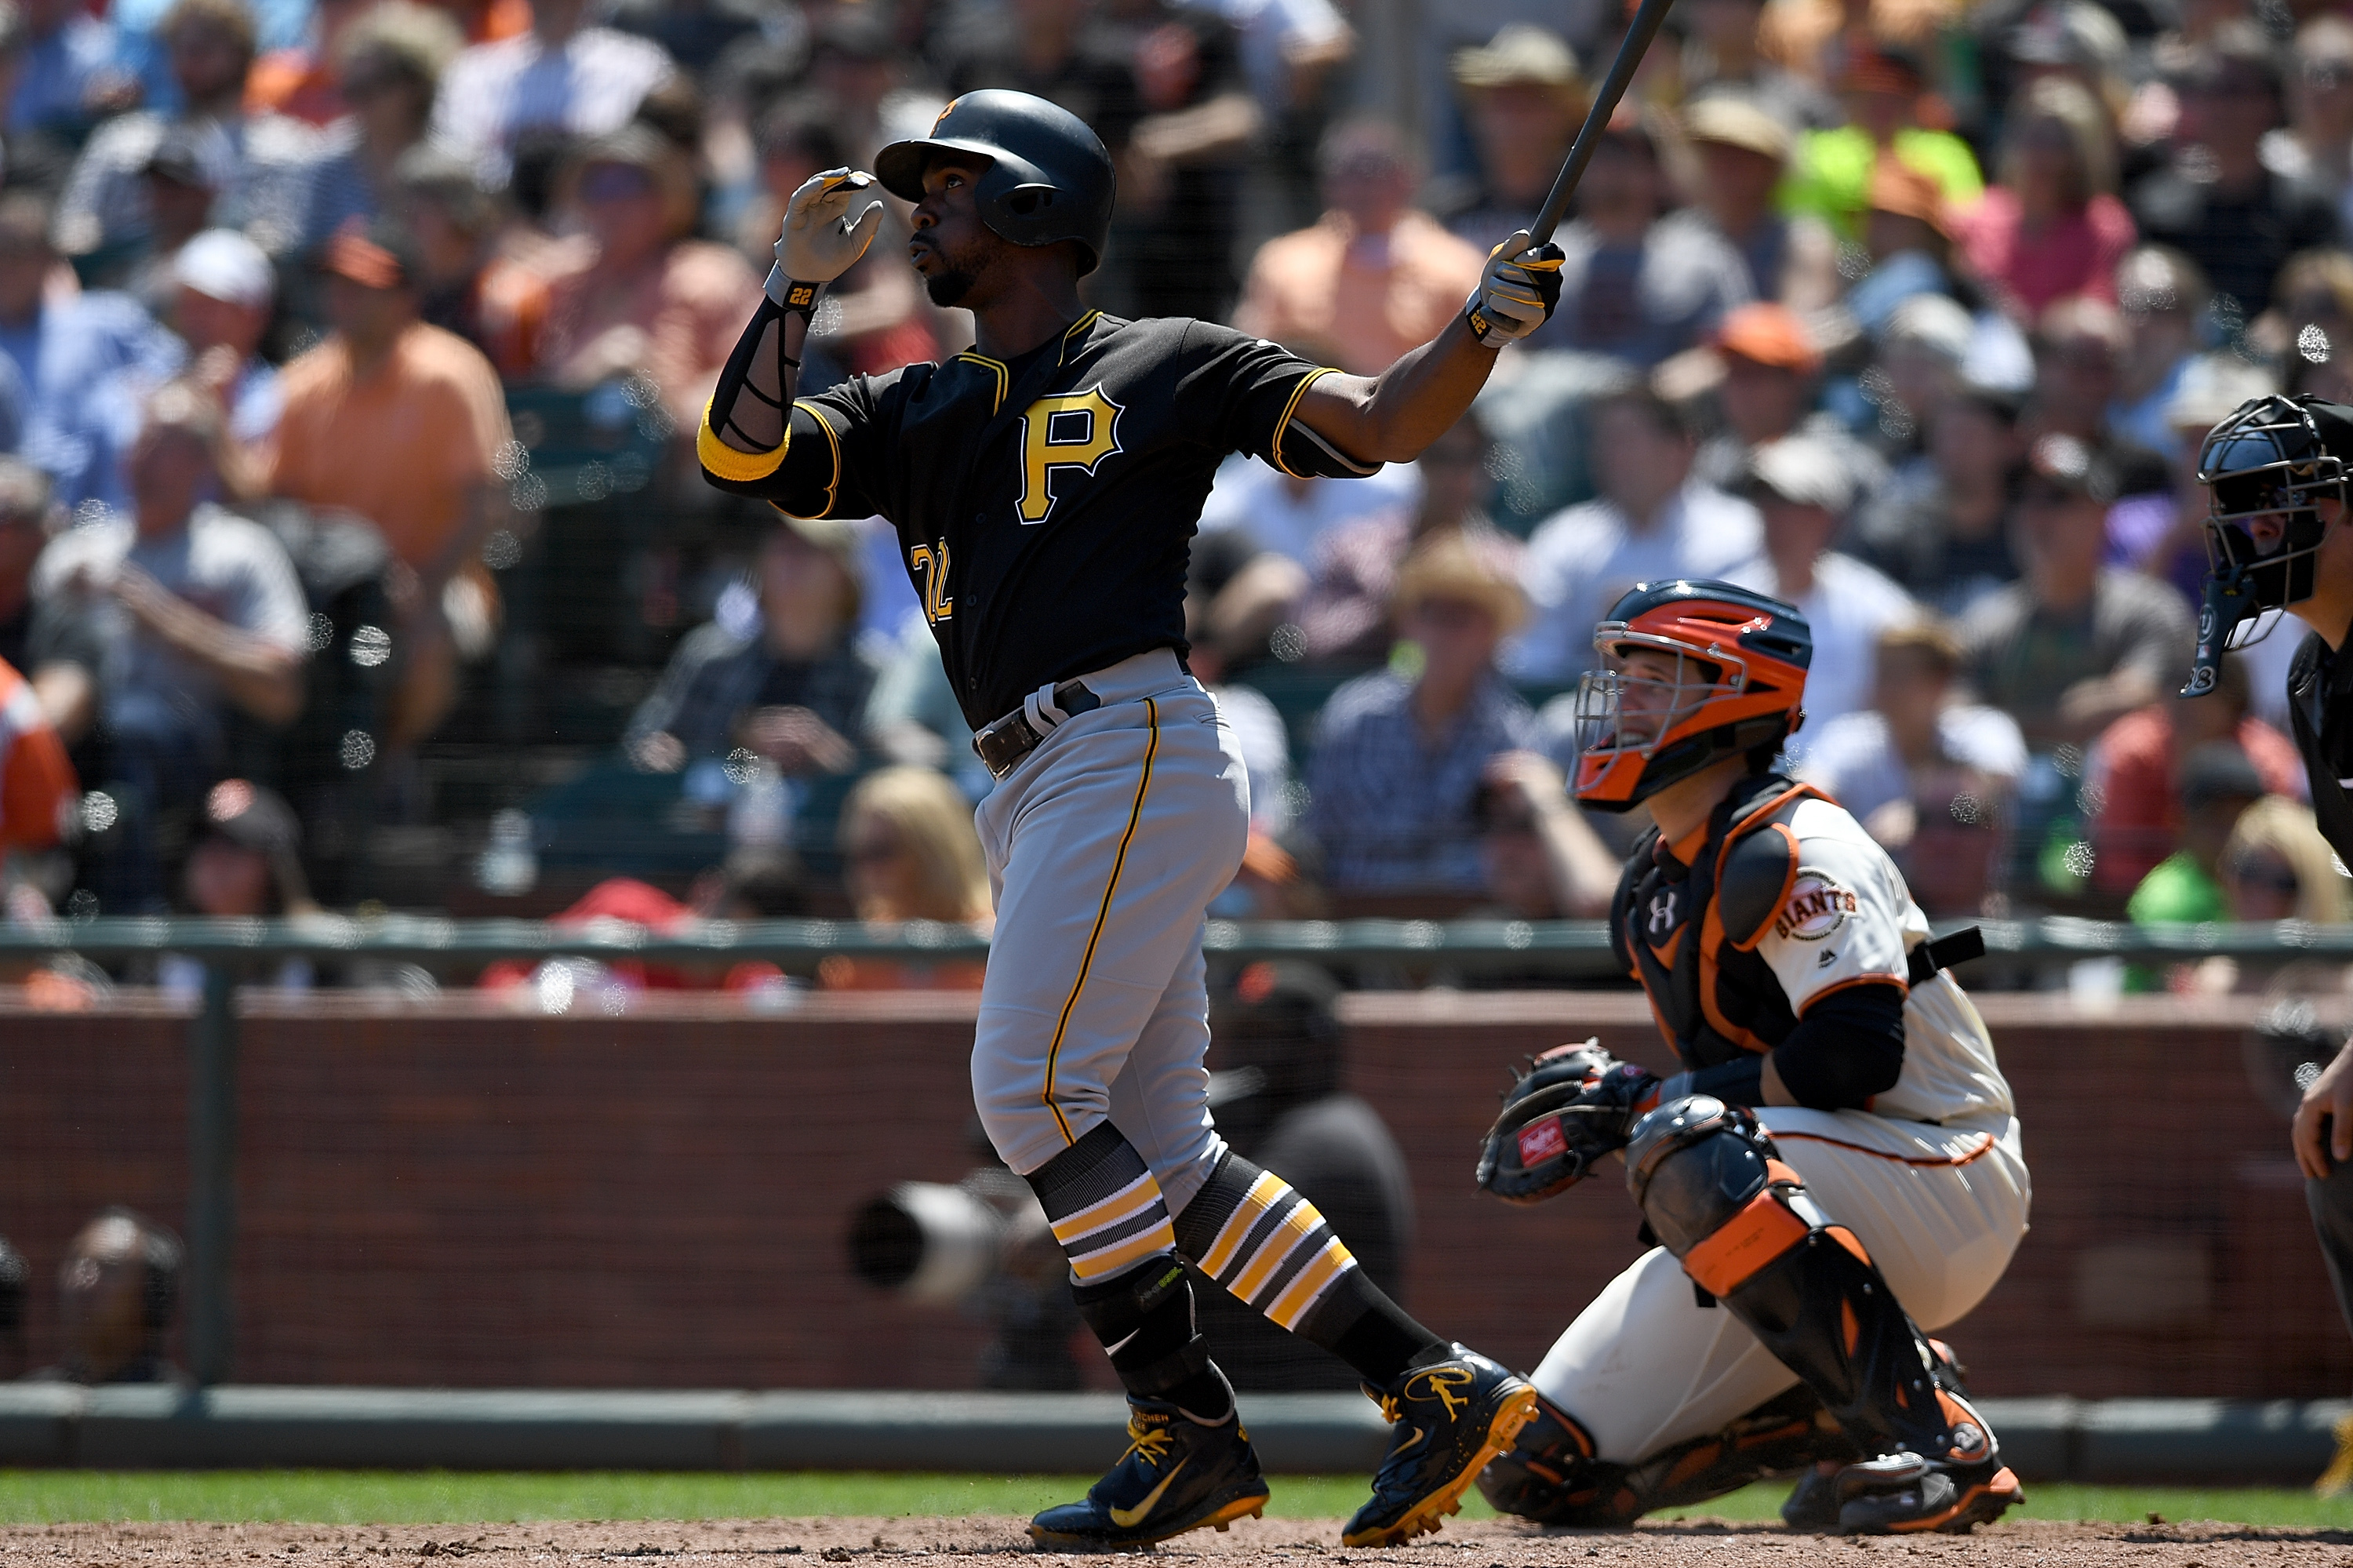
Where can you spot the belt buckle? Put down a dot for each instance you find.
(1019, 741)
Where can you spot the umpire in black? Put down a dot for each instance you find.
(2277, 539)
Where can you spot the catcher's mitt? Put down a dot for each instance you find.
(1571, 1106)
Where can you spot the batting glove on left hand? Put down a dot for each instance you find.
(826, 231)
(1518, 293)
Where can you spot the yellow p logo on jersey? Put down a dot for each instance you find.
(1069, 429)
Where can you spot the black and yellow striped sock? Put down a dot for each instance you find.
(1271, 1249)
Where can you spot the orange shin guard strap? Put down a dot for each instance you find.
(1751, 1239)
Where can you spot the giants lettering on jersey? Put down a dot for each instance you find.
(1817, 906)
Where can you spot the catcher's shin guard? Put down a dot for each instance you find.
(1707, 1179)
(1551, 1477)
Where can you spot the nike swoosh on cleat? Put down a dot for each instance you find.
(1129, 1518)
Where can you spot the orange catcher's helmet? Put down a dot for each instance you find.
(1724, 675)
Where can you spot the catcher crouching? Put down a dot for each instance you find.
(1834, 1164)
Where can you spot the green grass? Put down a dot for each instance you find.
(380, 1496)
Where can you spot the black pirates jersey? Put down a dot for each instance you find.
(1044, 505)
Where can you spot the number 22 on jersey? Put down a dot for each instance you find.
(929, 563)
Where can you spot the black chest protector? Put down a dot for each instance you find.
(1689, 934)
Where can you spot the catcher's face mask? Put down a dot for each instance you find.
(2267, 470)
(1644, 691)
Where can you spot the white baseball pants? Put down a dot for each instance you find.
(1941, 1210)
(1104, 847)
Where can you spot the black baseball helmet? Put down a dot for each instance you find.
(2266, 467)
(1048, 178)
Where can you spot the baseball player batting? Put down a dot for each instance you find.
(1834, 1161)
(1044, 483)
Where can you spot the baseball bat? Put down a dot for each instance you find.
(1637, 43)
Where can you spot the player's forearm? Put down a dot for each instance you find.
(753, 399)
(1393, 416)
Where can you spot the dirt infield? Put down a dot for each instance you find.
(883, 1542)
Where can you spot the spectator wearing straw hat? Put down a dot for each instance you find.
(402, 423)
(1524, 98)
(1399, 759)
(1742, 153)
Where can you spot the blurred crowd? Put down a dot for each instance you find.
(352, 553)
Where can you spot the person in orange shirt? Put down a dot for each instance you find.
(37, 786)
(1375, 277)
(403, 423)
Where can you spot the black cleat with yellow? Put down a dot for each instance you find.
(1180, 1473)
(1449, 1419)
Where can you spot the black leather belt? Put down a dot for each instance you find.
(1002, 743)
(1945, 952)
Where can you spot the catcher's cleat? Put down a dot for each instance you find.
(1903, 1494)
(1813, 1506)
(1449, 1419)
(1179, 1473)
(2338, 1479)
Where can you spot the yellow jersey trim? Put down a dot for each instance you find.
(833, 445)
(1001, 371)
(1274, 447)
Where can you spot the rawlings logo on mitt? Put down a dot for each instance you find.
(1567, 1109)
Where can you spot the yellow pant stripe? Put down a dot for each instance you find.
(1262, 1195)
(1280, 1245)
(1086, 962)
(1125, 1204)
(1161, 1237)
(1332, 1260)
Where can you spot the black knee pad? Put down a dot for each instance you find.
(1692, 1165)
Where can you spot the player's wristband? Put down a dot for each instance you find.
(791, 294)
(1482, 323)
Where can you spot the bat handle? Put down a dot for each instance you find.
(1637, 43)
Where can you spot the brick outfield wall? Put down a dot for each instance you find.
(472, 1199)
